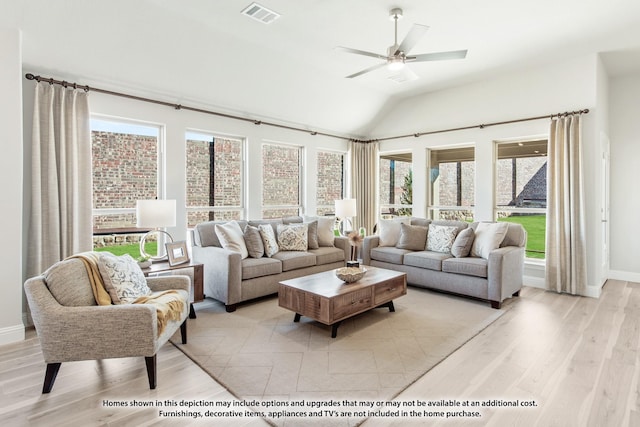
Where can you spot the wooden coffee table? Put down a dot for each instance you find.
(329, 300)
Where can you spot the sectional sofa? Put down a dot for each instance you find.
(480, 260)
(241, 268)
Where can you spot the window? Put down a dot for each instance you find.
(452, 183)
(214, 178)
(331, 181)
(521, 189)
(281, 180)
(396, 185)
(125, 157)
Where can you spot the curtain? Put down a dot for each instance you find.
(61, 193)
(364, 177)
(566, 247)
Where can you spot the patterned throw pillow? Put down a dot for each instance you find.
(268, 240)
(440, 238)
(122, 278)
(292, 237)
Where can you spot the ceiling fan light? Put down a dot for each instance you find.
(395, 64)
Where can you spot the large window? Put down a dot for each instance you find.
(125, 163)
(281, 180)
(452, 183)
(521, 189)
(396, 185)
(331, 181)
(214, 178)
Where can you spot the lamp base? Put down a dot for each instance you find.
(143, 240)
(345, 226)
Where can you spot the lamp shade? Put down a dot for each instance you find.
(346, 208)
(155, 213)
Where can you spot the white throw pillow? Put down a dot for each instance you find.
(326, 224)
(389, 230)
(232, 238)
(268, 240)
(440, 238)
(293, 237)
(488, 237)
(122, 277)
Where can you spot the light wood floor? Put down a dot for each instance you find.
(577, 358)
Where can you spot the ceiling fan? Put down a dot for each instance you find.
(396, 55)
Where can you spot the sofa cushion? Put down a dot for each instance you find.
(420, 221)
(268, 239)
(389, 254)
(253, 241)
(516, 236)
(123, 278)
(462, 245)
(389, 230)
(293, 260)
(258, 267)
(441, 238)
(327, 255)
(426, 259)
(232, 238)
(293, 237)
(412, 237)
(272, 222)
(489, 235)
(68, 282)
(470, 266)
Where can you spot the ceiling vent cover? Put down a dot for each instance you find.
(260, 13)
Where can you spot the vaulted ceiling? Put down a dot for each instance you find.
(207, 53)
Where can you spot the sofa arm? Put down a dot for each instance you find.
(343, 243)
(504, 272)
(222, 273)
(163, 283)
(369, 243)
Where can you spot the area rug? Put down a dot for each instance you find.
(259, 353)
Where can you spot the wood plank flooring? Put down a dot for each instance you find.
(577, 358)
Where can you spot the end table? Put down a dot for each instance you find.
(198, 279)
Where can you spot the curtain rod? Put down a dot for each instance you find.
(87, 88)
(482, 126)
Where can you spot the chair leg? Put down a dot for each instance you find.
(151, 370)
(50, 376)
(183, 331)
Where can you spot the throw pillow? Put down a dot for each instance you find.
(232, 238)
(312, 234)
(440, 238)
(462, 245)
(389, 230)
(268, 240)
(412, 237)
(293, 237)
(253, 240)
(122, 277)
(326, 224)
(489, 235)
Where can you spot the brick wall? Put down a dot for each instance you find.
(280, 180)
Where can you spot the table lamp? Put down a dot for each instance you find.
(155, 214)
(345, 210)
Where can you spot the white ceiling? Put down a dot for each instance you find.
(204, 52)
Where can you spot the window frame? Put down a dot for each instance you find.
(433, 210)
(343, 191)
(394, 206)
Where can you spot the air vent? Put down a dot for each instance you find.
(260, 13)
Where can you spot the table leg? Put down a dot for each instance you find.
(334, 329)
(297, 317)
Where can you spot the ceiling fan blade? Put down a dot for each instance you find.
(438, 56)
(412, 38)
(359, 73)
(361, 52)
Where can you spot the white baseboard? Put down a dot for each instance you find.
(626, 276)
(534, 282)
(12, 334)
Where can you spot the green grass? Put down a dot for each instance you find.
(132, 249)
(535, 226)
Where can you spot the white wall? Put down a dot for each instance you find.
(11, 326)
(625, 176)
(555, 88)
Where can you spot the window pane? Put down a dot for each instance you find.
(452, 183)
(330, 181)
(396, 185)
(281, 180)
(195, 217)
(521, 190)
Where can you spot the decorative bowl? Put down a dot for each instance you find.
(350, 274)
(144, 264)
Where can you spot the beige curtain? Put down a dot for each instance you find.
(60, 218)
(364, 176)
(566, 246)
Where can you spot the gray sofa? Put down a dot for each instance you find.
(230, 279)
(494, 278)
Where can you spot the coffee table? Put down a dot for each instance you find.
(328, 300)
